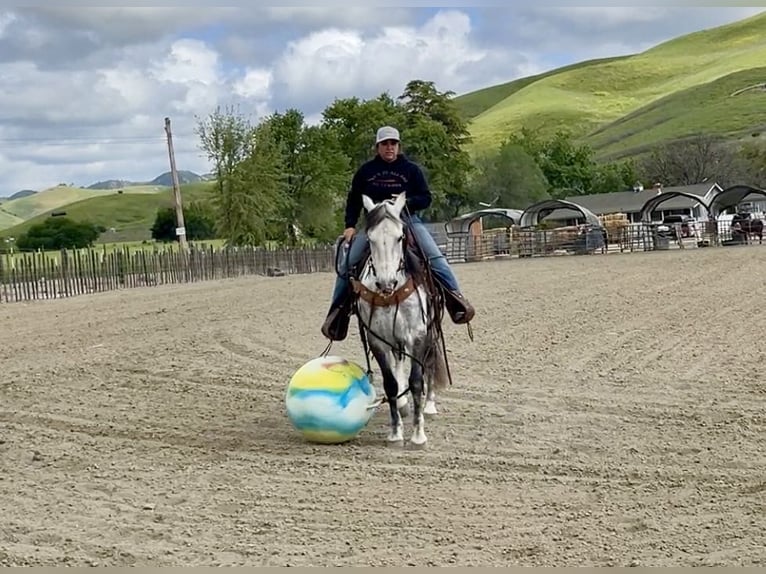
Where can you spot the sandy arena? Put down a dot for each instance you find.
(611, 411)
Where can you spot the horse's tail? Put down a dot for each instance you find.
(437, 367)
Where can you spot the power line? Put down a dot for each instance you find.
(88, 139)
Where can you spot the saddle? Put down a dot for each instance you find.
(417, 266)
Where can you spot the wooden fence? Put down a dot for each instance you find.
(34, 276)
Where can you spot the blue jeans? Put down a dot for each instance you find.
(438, 261)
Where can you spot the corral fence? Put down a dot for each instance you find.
(515, 242)
(34, 276)
(67, 273)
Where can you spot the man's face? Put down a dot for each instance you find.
(388, 149)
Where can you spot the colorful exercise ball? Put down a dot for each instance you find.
(328, 400)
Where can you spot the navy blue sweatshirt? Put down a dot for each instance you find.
(379, 180)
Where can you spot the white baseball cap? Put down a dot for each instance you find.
(387, 133)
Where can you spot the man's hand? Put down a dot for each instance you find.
(348, 233)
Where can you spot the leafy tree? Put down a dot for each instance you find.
(316, 173)
(249, 174)
(616, 176)
(433, 133)
(199, 220)
(439, 133)
(254, 211)
(509, 178)
(59, 233)
(354, 122)
(568, 167)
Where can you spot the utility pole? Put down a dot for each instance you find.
(180, 225)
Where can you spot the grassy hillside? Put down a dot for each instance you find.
(709, 107)
(588, 97)
(8, 219)
(131, 214)
(60, 196)
(474, 103)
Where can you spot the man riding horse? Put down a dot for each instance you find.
(388, 174)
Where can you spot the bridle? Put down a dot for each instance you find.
(378, 299)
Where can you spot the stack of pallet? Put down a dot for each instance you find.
(614, 223)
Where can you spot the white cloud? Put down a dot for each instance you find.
(85, 90)
(344, 62)
(6, 19)
(256, 83)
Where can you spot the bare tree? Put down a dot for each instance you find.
(693, 160)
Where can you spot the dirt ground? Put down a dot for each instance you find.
(611, 411)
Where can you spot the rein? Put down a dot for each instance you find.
(377, 299)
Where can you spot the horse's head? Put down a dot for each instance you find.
(385, 233)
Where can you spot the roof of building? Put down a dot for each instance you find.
(732, 196)
(557, 209)
(463, 223)
(633, 201)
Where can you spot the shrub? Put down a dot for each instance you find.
(198, 219)
(59, 233)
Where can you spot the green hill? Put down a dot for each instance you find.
(474, 103)
(131, 215)
(709, 107)
(57, 197)
(8, 219)
(587, 98)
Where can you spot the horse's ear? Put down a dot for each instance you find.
(369, 205)
(399, 203)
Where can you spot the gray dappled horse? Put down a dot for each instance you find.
(400, 308)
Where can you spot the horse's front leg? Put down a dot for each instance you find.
(400, 370)
(418, 420)
(391, 388)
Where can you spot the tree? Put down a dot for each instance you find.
(616, 176)
(354, 123)
(249, 174)
(433, 135)
(199, 220)
(752, 163)
(316, 174)
(694, 160)
(568, 167)
(59, 233)
(254, 211)
(509, 178)
(438, 134)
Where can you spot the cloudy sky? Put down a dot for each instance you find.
(84, 91)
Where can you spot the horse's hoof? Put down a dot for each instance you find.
(418, 441)
(430, 408)
(396, 437)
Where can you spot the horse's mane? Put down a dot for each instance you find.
(379, 214)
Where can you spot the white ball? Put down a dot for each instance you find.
(328, 400)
